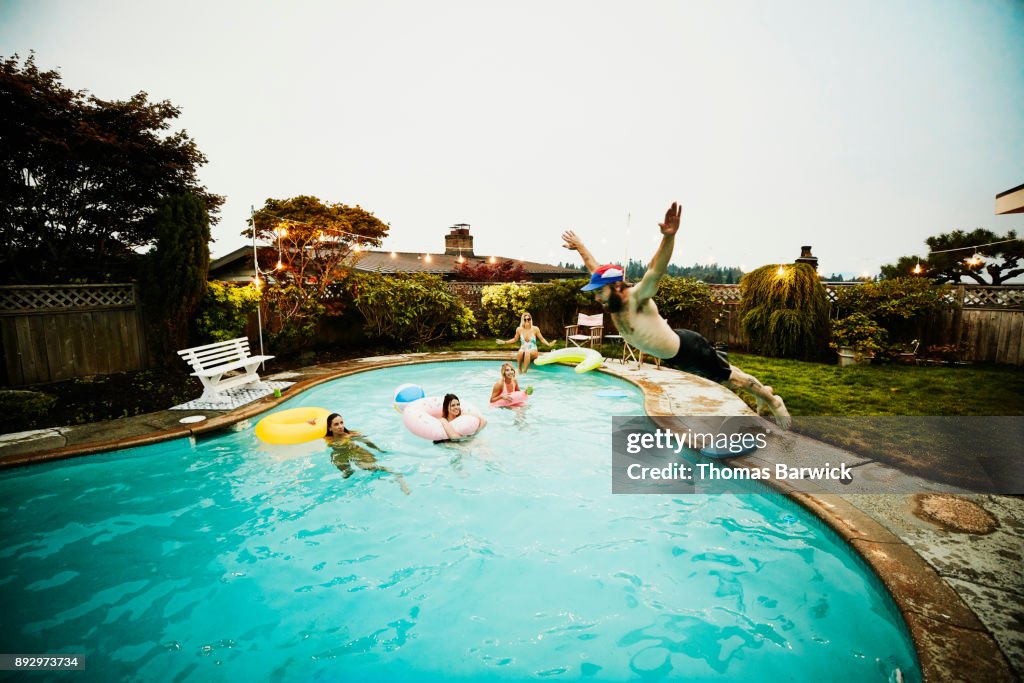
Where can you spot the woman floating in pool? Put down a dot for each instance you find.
(346, 451)
(506, 392)
(527, 335)
(451, 408)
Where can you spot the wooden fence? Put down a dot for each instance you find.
(985, 323)
(55, 332)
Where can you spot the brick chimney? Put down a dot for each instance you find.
(807, 257)
(458, 241)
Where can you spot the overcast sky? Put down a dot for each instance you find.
(858, 127)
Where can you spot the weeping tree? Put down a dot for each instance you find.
(784, 311)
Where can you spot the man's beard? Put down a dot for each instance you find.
(614, 302)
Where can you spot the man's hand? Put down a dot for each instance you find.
(671, 224)
(571, 240)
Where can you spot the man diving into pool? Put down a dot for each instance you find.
(636, 316)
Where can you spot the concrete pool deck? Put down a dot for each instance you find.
(960, 592)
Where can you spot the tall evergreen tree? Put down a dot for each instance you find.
(174, 279)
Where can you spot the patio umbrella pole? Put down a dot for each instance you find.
(256, 271)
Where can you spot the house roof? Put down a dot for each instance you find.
(444, 264)
(237, 265)
(1010, 201)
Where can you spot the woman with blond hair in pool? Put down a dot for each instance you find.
(527, 336)
(504, 387)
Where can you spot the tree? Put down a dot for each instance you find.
(1000, 262)
(81, 177)
(504, 271)
(711, 274)
(174, 278)
(313, 243)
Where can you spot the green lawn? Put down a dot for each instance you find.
(819, 389)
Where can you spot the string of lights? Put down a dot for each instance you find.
(974, 246)
(973, 262)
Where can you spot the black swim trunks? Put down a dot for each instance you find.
(697, 355)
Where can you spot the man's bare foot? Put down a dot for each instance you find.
(778, 408)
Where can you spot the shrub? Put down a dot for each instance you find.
(555, 304)
(899, 304)
(506, 271)
(412, 308)
(291, 316)
(888, 300)
(784, 311)
(503, 304)
(683, 301)
(224, 311)
(860, 333)
(25, 407)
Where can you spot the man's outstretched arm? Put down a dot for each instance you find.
(648, 286)
(573, 242)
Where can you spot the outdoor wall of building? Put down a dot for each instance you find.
(57, 332)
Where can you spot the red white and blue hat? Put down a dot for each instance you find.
(604, 275)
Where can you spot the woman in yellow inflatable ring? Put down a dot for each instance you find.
(299, 425)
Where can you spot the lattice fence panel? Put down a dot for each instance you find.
(62, 298)
(729, 294)
(994, 297)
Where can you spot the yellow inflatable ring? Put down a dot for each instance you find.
(292, 426)
(585, 359)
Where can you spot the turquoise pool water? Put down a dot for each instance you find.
(509, 559)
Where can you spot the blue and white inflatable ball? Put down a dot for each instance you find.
(406, 394)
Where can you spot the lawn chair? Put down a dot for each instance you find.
(588, 330)
(910, 357)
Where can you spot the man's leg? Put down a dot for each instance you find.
(763, 394)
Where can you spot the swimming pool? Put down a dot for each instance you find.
(509, 559)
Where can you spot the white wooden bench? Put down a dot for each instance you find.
(213, 361)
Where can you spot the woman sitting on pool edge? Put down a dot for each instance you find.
(345, 451)
(527, 335)
(451, 408)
